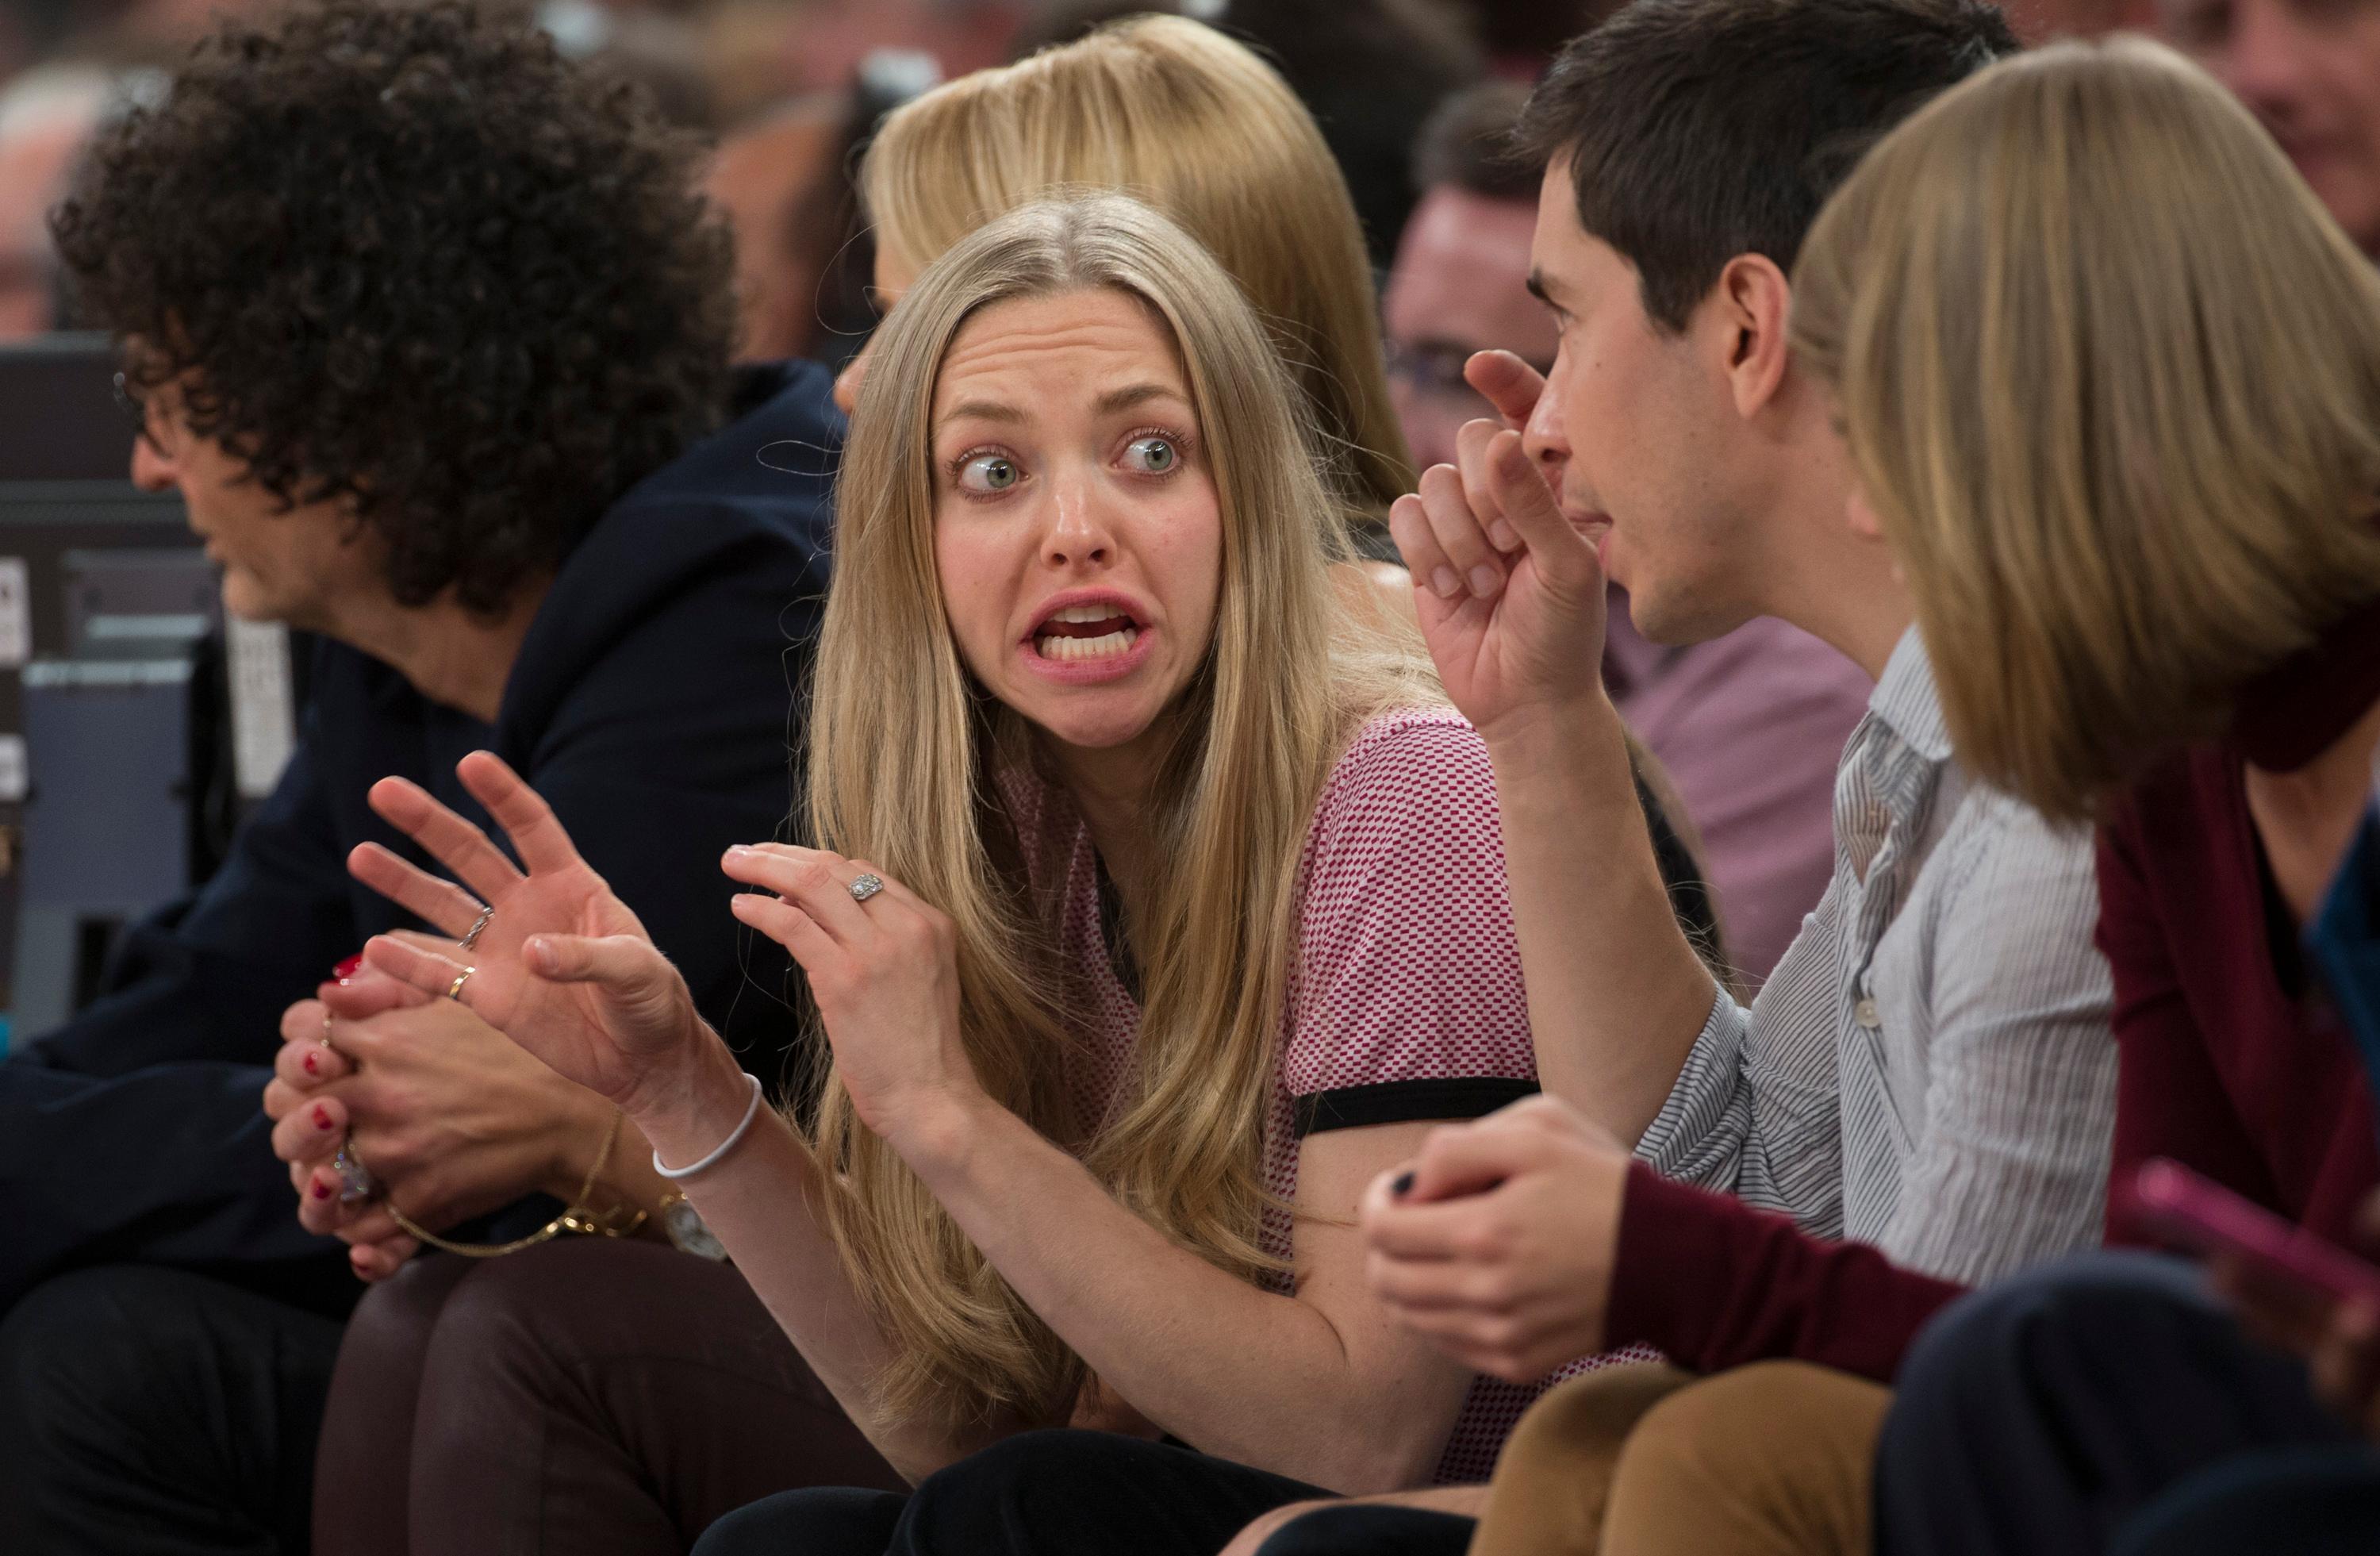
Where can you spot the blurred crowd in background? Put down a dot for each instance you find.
(788, 89)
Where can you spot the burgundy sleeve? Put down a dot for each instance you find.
(2170, 1100)
(1783, 1295)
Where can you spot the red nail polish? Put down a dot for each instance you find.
(321, 1189)
(348, 969)
(321, 1116)
(311, 1067)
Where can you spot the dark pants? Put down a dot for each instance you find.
(1045, 1493)
(2040, 1416)
(2308, 1502)
(150, 1410)
(584, 1396)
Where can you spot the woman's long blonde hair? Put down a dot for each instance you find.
(2111, 377)
(906, 750)
(1176, 114)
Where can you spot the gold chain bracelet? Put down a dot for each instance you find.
(577, 1217)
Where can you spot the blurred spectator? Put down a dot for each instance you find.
(1461, 280)
(1523, 36)
(2311, 72)
(1370, 71)
(2038, 21)
(1749, 725)
(826, 41)
(760, 176)
(46, 117)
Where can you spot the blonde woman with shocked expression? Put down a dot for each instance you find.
(1159, 907)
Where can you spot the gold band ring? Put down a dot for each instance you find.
(454, 989)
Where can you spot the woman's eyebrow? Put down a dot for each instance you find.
(1119, 400)
(980, 410)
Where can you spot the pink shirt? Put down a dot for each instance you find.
(1404, 999)
(1750, 727)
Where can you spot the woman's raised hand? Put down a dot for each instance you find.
(560, 966)
(884, 972)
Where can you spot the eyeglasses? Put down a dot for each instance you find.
(1436, 370)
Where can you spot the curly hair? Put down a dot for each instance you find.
(412, 259)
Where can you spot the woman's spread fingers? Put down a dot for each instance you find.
(1460, 532)
(535, 832)
(428, 971)
(452, 841)
(818, 884)
(441, 902)
(788, 926)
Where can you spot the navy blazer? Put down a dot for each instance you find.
(649, 705)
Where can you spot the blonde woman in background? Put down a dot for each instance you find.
(1175, 113)
(1159, 907)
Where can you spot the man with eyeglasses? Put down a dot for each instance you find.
(1749, 725)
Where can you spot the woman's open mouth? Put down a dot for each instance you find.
(1085, 632)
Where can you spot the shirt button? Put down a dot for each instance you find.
(1865, 1014)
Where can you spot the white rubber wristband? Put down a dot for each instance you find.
(751, 1112)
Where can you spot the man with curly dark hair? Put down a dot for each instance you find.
(431, 331)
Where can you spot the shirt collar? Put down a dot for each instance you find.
(1905, 700)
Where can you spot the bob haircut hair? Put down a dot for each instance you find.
(915, 768)
(2111, 378)
(1174, 113)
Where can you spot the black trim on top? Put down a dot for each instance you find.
(1407, 1101)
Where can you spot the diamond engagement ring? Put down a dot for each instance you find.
(866, 887)
(355, 1178)
(470, 941)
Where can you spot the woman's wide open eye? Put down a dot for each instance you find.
(987, 474)
(1152, 456)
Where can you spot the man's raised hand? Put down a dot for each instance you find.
(1509, 591)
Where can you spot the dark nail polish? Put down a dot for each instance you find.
(321, 1189)
(1402, 1186)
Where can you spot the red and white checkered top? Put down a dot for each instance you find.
(1407, 970)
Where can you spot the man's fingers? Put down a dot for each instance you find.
(1460, 534)
(1409, 527)
(441, 902)
(1530, 506)
(1471, 442)
(1511, 384)
(535, 832)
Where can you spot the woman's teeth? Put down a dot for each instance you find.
(1059, 648)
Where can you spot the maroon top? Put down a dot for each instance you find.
(2225, 1064)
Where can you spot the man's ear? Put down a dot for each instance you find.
(1750, 308)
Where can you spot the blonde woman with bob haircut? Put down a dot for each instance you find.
(1176, 114)
(2111, 379)
(1159, 905)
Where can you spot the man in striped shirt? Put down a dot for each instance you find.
(1929, 1070)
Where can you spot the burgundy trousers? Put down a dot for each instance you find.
(586, 1396)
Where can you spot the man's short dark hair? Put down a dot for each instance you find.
(409, 257)
(1467, 143)
(1698, 131)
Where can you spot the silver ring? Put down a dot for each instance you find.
(355, 1178)
(471, 940)
(866, 887)
(454, 989)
